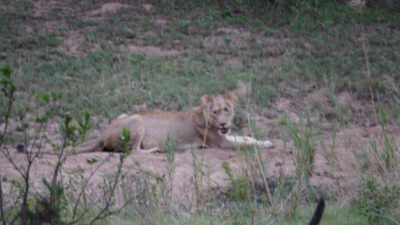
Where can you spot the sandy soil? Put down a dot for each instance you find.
(335, 163)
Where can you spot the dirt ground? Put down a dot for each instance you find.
(335, 162)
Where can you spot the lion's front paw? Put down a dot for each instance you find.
(267, 144)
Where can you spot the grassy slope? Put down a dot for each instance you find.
(322, 47)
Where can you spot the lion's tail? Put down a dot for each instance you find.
(318, 212)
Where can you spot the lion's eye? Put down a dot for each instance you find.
(215, 112)
(226, 109)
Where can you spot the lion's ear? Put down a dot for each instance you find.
(230, 96)
(206, 99)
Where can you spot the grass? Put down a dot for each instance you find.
(330, 55)
(283, 51)
(334, 214)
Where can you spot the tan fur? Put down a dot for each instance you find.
(203, 126)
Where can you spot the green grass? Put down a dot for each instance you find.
(334, 214)
(322, 47)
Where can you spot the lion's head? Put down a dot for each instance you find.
(218, 111)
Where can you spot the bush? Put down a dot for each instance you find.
(379, 201)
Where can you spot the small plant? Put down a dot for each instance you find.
(198, 179)
(397, 110)
(379, 198)
(330, 149)
(184, 24)
(304, 154)
(170, 154)
(239, 186)
(379, 201)
(70, 200)
(8, 89)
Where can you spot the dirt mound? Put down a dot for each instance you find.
(227, 36)
(43, 8)
(224, 39)
(235, 63)
(150, 51)
(111, 7)
(74, 44)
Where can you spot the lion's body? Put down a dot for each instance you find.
(149, 131)
(206, 125)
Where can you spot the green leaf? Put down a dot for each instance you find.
(91, 161)
(6, 71)
(126, 135)
(43, 98)
(59, 191)
(46, 183)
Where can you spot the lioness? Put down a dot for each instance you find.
(206, 125)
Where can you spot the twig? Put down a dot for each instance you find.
(57, 169)
(263, 175)
(8, 113)
(74, 219)
(2, 214)
(108, 197)
(368, 71)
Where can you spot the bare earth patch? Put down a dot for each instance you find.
(150, 51)
(342, 149)
(111, 7)
(43, 8)
(156, 164)
(161, 23)
(235, 63)
(224, 39)
(74, 44)
(148, 7)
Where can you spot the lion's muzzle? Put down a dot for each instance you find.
(224, 130)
